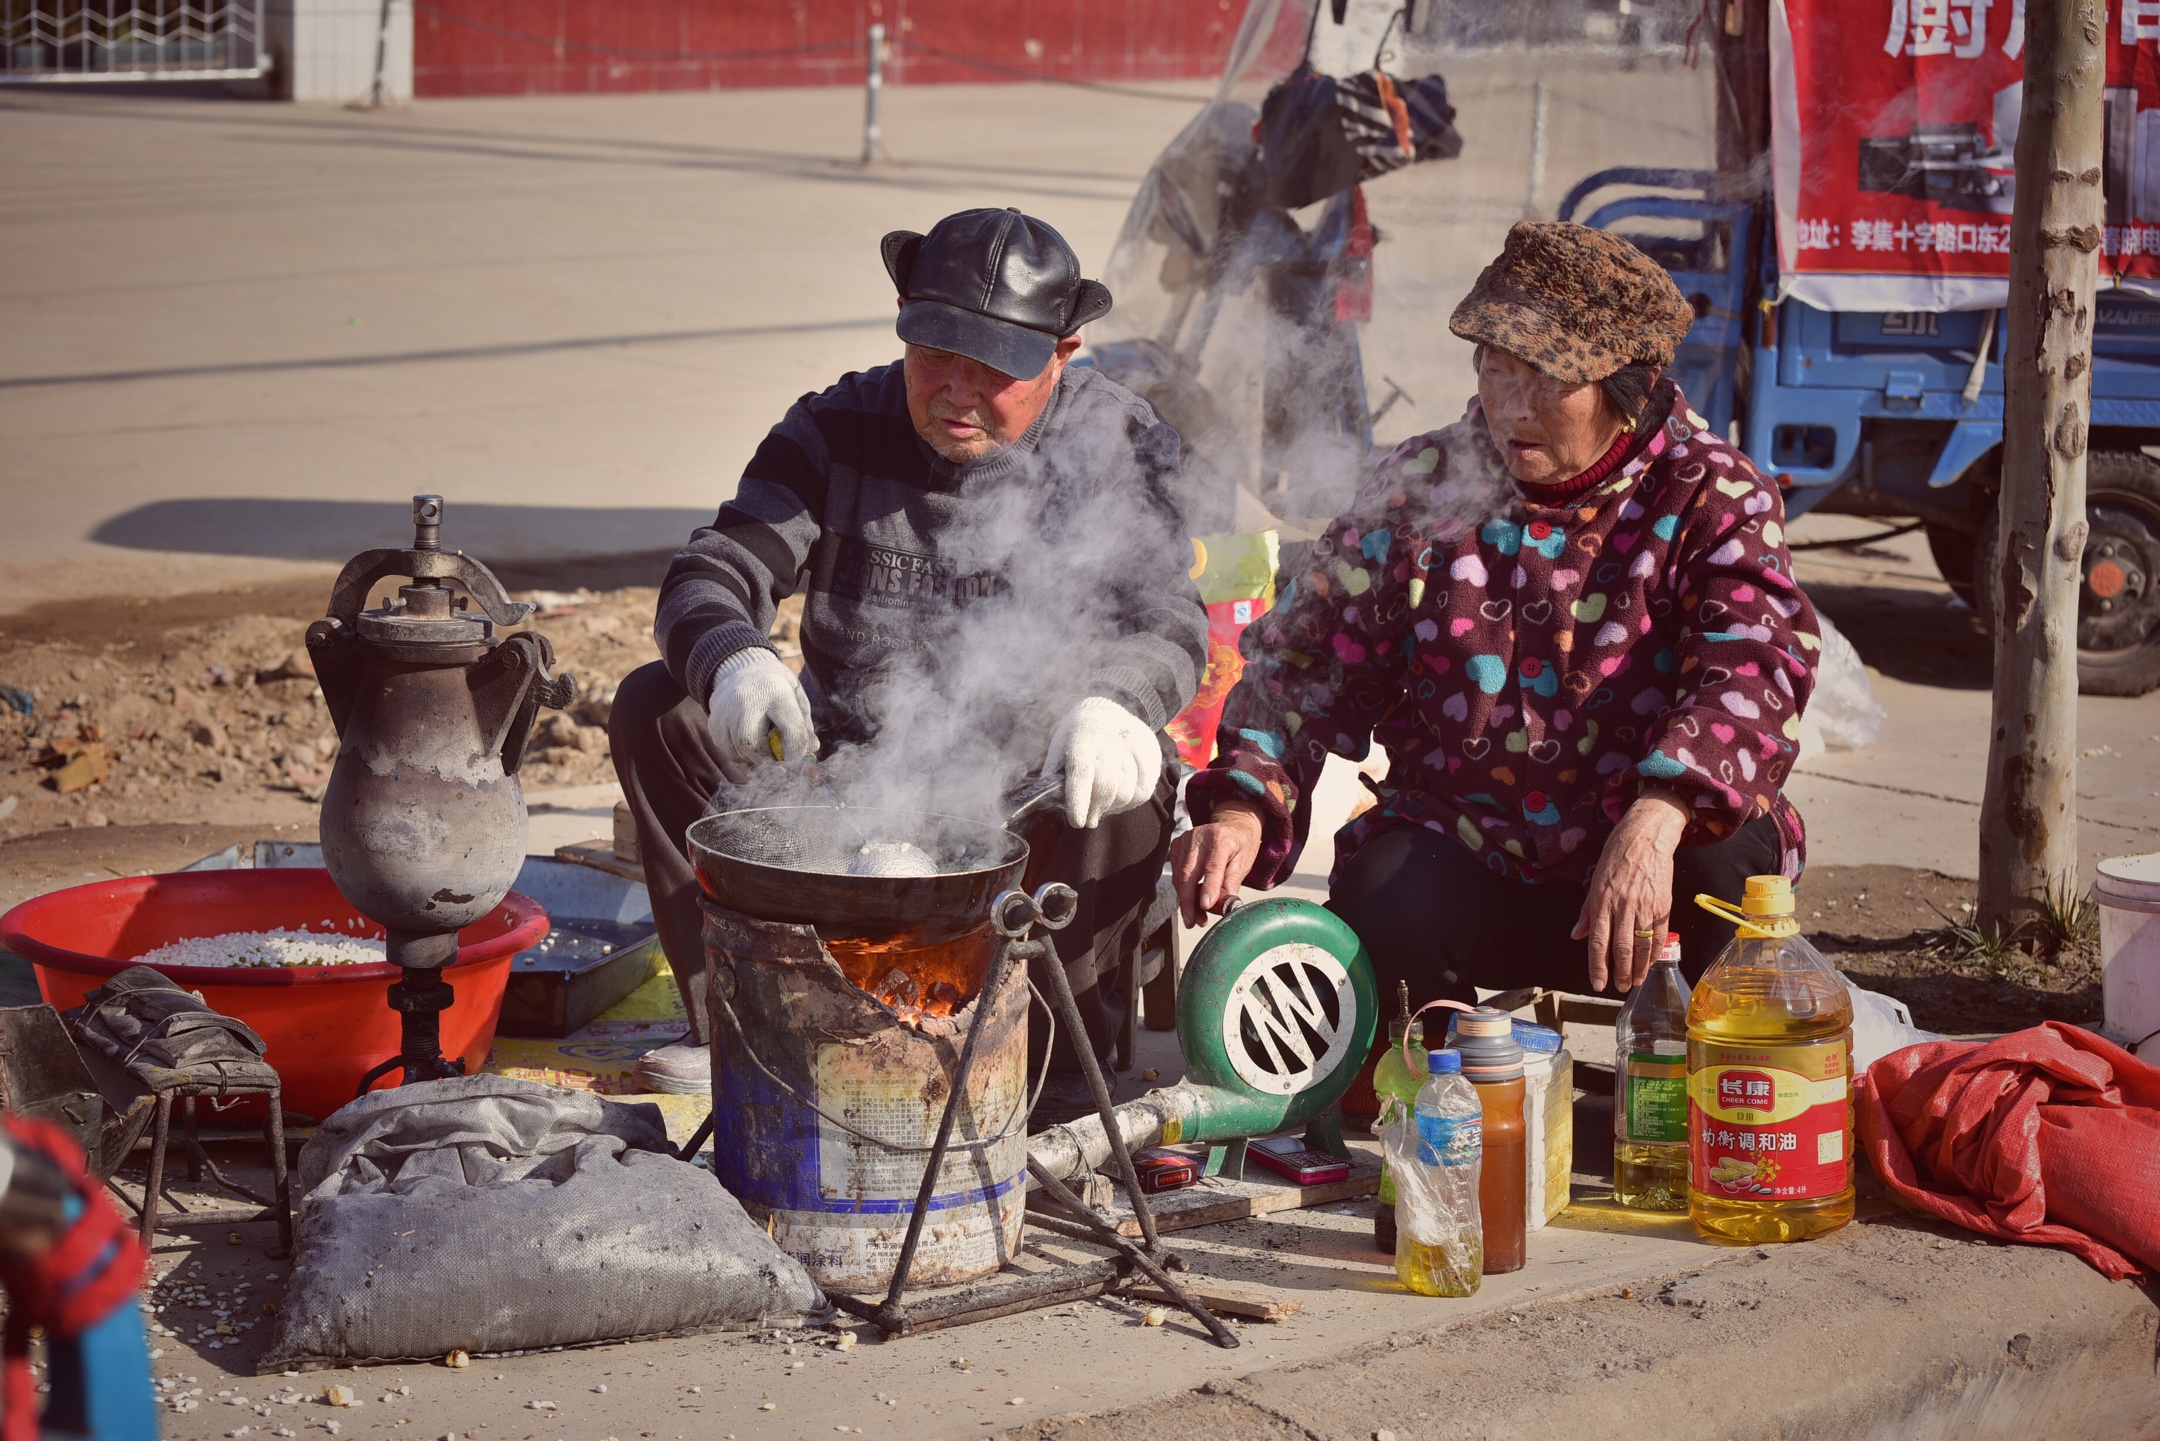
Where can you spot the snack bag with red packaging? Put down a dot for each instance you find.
(1236, 576)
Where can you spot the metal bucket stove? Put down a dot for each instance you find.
(845, 1004)
(870, 1094)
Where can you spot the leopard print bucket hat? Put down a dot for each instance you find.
(1576, 303)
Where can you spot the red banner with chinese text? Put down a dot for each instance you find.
(1893, 131)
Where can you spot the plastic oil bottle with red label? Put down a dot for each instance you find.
(1769, 1079)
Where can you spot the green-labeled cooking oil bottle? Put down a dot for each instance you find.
(1650, 1140)
(1769, 1080)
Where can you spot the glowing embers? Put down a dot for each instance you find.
(918, 978)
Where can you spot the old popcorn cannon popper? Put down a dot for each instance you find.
(423, 823)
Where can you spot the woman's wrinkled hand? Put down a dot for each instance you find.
(1210, 862)
(1631, 892)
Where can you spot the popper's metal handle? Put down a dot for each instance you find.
(1034, 796)
(1015, 913)
(426, 561)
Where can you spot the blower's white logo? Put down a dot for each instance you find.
(1287, 1022)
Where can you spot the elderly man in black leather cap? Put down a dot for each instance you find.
(980, 487)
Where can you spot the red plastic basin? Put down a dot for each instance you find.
(324, 1026)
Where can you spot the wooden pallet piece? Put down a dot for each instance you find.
(1217, 1199)
(1224, 1298)
(600, 855)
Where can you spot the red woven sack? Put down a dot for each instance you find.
(2049, 1135)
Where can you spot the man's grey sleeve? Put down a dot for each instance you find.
(1154, 668)
(724, 588)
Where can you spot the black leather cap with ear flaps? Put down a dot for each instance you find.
(995, 286)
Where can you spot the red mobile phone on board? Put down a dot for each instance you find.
(1290, 1156)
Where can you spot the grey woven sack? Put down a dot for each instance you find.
(492, 1215)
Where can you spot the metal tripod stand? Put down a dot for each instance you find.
(1015, 914)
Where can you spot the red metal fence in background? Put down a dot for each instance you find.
(548, 47)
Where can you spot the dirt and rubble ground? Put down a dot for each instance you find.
(204, 708)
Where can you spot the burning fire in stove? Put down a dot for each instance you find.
(918, 978)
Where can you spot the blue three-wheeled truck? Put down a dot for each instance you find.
(1899, 414)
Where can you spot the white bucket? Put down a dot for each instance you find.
(2128, 890)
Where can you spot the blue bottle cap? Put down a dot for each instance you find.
(1444, 1063)
(1534, 1037)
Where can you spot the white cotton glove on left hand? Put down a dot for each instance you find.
(1109, 757)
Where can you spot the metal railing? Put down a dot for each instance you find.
(94, 41)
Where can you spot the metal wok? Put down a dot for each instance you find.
(790, 863)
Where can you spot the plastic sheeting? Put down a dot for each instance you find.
(1285, 346)
(1881, 1024)
(1842, 709)
(2049, 1136)
(493, 1215)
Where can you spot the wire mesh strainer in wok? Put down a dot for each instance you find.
(830, 840)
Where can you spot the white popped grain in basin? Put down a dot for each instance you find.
(266, 950)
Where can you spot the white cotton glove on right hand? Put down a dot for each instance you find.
(1110, 759)
(755, 696)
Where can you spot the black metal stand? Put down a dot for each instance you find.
(277, 1207)
(421, 998)
(1016, 914)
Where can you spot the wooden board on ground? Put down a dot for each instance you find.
(1224, 1298)
(1217, 1198)
(600, 855)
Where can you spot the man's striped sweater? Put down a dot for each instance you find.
(1015, 585)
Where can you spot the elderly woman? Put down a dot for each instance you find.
(1570, 620)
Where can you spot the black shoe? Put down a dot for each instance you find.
(1065, 1097)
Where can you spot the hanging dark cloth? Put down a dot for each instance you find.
(1320, 135)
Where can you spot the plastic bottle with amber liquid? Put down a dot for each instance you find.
(1650, 1135)
(1395, 1083)
(1769, 1030)
(1492, 1061)
(1437, 1151)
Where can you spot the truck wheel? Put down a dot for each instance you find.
(2118, 628)
(2119, 604)
(1953, 552)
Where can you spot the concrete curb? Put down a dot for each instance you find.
(1889, 1329)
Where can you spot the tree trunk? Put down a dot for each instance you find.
(2028, 822)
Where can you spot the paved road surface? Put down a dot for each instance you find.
(240, 335)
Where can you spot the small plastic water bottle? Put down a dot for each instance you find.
(1435, 1154)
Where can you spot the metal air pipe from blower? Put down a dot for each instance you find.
(423, 822)
(1276, 1012)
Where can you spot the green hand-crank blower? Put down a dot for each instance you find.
(1276, 1011)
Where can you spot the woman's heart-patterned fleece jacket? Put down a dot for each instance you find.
(1529, 667)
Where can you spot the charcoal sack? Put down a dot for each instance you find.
(492, 1215)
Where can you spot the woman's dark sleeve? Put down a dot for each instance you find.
(1322, 667)
(1747, 655)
